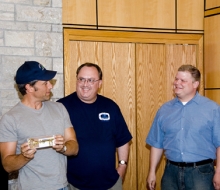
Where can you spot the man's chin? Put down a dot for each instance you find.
(177, 91)
(47, 97)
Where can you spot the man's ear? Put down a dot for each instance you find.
(196, 84)
(100, 83)
(29, 88)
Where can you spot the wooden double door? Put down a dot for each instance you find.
(138, 76)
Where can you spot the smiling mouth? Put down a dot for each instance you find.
(176, 87)
(85, 89)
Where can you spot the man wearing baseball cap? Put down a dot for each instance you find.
(36, 135)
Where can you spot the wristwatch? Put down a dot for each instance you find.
(64, 149)
(122, 162)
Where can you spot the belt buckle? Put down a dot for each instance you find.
(187, 164)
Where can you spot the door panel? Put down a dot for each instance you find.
(119, 85)
(151, 83)
(117, 61)
(213, 94)
(138, 72)
(212, 55)
(80, 52)
(156, 67)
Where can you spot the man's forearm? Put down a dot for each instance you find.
(72, 148)
(155, 156)
(14, 162)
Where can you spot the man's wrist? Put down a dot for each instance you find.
(63, 149)
(122, 162)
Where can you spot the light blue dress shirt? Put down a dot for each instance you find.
(187, 133)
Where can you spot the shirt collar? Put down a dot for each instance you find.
(195, 99)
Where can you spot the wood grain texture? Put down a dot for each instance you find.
(156, 67)
(190, 14)
(212, 12)
(119, 85)
(117, 61)
(211, 52)
(200, 63)
(211, 4)
(142, 37)
(138, 13)
(80, 52)
(135, 15)
(151, 83)
(213, 95)
(177, 55)
(79, 12)
(137, 75)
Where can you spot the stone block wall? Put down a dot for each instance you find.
(29, 30)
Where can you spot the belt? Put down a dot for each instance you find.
(190, 164)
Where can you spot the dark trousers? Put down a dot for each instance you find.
(4, 178)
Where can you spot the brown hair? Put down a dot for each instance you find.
(87, 64)
(22, 87)
(191, 69)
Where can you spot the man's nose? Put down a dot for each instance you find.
(50, 86)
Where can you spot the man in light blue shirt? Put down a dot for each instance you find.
(187, 129)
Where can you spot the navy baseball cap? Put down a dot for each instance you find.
(32, 70)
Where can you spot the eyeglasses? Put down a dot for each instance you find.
(89, 81)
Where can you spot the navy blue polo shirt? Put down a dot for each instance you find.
(100, 129)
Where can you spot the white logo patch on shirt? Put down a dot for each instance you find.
(104, 116)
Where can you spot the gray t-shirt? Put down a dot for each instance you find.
(47, 171)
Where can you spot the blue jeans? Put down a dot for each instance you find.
(188, 178)
(64, 188)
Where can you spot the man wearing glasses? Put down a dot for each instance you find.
(100, 129)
